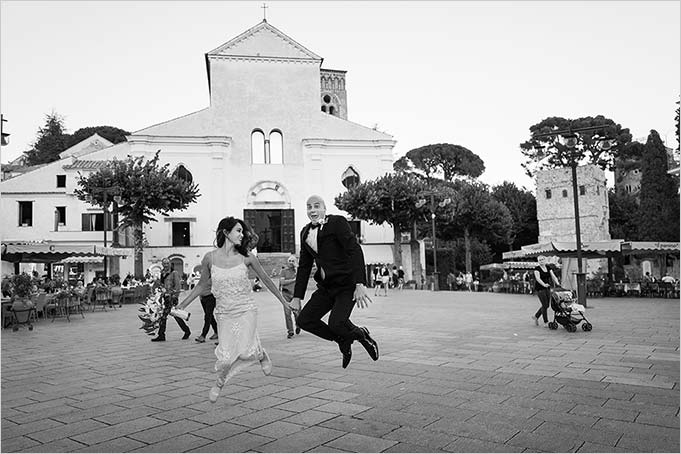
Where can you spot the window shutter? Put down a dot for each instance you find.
(288, 231)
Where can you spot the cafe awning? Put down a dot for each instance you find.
(71, 260)
(649, 247)
(590, 249)
(46, 252)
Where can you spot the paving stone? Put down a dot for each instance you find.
(182, 443)
(302, 404)
(20, 443)
(498, 433)
(342, 408)
(359, 426)
(242, 442)
(595, 447)
(309, 417)
(126, 415)
(407, 447)
(655, 419)
(464, 444)
(324, 448)
(122, 444)
(220, 431)
(353, 442)
(66, 430)
(334, 395)
(420, 437)
(277, 429)
(398, 418)
(166, 431)
(544, 443)
(295, 393)
(264, 402)
(118, 430)
(17, 430)
(62, 445)
(602, 412)
(302, 441)
(261, 417)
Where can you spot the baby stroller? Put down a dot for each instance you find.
(567, 312)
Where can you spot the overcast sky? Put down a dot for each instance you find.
(476, 74)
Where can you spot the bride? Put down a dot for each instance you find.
(225, 269)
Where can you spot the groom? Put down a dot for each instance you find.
(328, 241)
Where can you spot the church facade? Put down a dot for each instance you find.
(274, 133)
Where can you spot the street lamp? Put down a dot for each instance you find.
(569, 139)
(105, 191)
(419, 204)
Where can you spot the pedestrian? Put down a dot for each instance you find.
(287, 283)
(225, 271)
(170, 280)
(208, 304)
(543, 277)
(395, 277)
(385, 279)
(376, 278)
(400, 278)
(468, 280)
(330, 243)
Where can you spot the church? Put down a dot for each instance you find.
(276, 131)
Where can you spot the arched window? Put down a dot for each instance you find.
(331, 110)
(276, 147)
(350, 178)
(258, 147)
(183, 174)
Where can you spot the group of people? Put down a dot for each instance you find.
(226, 292)
(463, 281)
(385, 278)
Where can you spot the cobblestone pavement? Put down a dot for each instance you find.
(459, 372)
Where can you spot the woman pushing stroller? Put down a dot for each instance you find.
(543, 278)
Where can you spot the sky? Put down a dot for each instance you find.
(476, 74)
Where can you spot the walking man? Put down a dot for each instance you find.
(329, 241)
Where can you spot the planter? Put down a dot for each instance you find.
(22, 309)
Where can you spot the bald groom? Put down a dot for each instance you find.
(329, 241)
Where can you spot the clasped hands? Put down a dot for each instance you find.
(360, 296)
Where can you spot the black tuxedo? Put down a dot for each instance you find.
(339, 255)
(340, 266)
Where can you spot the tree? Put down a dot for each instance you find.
(145, 188)
(441, 160)
(624, 215)
(522, 205)
(475, 213)
(110, 133)
(678, 136)
(547, 151)
(391, 199)
(50, 141)
(659, 212)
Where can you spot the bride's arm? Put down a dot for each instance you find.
(203, 283)
(252, 262)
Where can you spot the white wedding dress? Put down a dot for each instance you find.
(237, 315)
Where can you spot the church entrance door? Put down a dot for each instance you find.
(275, 229)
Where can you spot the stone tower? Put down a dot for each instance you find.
(555, 205)
(334, 99)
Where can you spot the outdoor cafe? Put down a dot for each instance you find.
(62, 292)
(614, 267)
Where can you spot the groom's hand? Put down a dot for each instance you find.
(295, 304)
(360, 296)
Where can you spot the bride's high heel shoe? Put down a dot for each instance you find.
(214, 392)
(266, 363)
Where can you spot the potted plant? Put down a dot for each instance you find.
(23, 286)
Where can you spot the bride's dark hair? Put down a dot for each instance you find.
(248, 242)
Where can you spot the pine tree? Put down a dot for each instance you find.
(50, 141)
(659, 209)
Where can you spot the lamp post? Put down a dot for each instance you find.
(4, 139)
(105, 191)
(419, 204)
(570, 141)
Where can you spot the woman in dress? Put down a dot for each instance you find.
(225, 269)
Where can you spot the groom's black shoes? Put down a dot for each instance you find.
(345, 346)
(368, 343)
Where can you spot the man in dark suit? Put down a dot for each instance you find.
(329, 241)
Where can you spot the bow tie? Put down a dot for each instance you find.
(315, 226)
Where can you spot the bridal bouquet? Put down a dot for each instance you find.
(152, 310)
